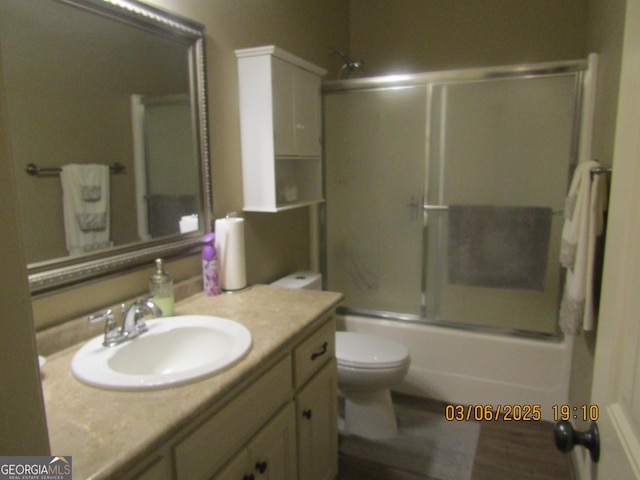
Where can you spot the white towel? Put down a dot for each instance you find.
(85, 201)
(583, 212)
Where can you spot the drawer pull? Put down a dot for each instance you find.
(307, 414)
(249, 477)
(315, 355)
(261, 467)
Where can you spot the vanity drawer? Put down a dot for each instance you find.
(222, 435)
(312, 354)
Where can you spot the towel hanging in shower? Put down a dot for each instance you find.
(498, 246)
(584, 221)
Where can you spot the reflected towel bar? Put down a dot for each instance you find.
(33, 169)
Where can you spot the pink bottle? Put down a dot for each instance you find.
(210, 278)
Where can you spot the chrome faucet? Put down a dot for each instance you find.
(133, 323)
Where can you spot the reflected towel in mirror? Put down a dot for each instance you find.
(86, 220)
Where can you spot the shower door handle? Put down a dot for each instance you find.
(432, 208)
(437, 208)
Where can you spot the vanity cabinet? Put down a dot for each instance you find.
(274, 407)
(283, 426)
(280, 122)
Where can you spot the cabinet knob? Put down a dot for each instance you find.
(251, 476)
(261, 467)
(307, 414)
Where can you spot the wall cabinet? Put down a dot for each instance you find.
(280, 123)
(283, 426)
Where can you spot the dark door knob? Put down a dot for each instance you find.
(566, 437)
(261, 467)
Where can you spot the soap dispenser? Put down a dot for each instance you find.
(161, 289)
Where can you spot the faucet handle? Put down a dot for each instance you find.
(110, 325)
(98, 317)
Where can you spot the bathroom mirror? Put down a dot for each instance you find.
(111, 83)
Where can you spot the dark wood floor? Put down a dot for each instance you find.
(506, 451)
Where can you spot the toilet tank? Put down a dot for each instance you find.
(303, 279)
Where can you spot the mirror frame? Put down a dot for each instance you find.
(55, 274)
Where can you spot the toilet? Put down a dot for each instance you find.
(368, 366)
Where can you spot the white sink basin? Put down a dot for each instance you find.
(174, 351)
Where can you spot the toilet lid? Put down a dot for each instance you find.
(368, 351)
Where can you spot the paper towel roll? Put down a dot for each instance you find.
(230, 248)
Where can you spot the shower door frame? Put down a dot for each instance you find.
(430, 80)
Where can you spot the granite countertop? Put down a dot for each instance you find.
(106, 430)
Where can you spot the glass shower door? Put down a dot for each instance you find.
(375, 171)
(506, 145)
(404, 164)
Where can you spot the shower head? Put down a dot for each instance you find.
(349, 65)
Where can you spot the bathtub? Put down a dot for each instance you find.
(471, 368)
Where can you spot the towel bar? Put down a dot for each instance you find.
(33, 169)
(600, 170)
(444, 208)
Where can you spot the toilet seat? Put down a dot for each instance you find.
(362, 351)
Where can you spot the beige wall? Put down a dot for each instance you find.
(421, 35)
(24, 431)
(276, 244)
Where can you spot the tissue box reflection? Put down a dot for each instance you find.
(189, 223)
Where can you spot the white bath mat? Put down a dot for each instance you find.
(427, 445)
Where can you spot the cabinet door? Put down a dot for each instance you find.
(239, 468)
(284, 122)
(296, 110)
(229, 430)
(316, 409)
(270, 455)
(273, 452)
(160, 469)
(307, 113)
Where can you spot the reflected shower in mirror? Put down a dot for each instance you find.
(96, 83)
